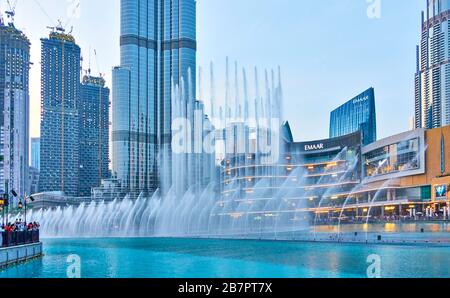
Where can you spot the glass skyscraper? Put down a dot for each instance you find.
(93, 110)
(356, 114)
(14, 108)
(158, 49)
(432, 79)
(36, 153)
(60, 93)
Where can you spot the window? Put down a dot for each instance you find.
(398, 157)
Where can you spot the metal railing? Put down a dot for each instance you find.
(8, 239)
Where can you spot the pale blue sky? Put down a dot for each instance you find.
(328, 50)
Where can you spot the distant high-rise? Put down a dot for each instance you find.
(60, 93)
(33, 180)
(158, 49)
(36, 153)
(432, 79)
(356, 114)
(94, 133)
(14, 108)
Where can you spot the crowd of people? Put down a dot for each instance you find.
(20, 226)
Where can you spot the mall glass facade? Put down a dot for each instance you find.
(398, 157)
(330, 169)
(339, 180)
(308, 177)
(358, 114)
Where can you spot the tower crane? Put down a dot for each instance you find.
(88, 71)
(11, 12)
(58, 28)
(97, 64)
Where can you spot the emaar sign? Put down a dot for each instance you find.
(360, 99)
(314, 147)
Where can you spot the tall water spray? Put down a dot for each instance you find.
(245, 132)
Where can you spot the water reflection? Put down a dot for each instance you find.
(184, 258)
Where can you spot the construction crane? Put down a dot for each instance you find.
(88, 71)
(58, 28)
(97, 64)
(11, 12)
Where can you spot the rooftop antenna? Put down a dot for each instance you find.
(96, 62)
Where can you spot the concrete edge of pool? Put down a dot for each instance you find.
(17, 254)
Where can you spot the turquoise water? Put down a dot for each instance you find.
(186, 258)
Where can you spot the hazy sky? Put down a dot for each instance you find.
(328, 50)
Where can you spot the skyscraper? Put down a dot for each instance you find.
(93, 111)
(14, 108)
(158, 49)
(36, 153)
(356, 114)
(432, 79)
(60, 93)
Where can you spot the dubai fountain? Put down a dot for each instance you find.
(245, 132)
(198, 210)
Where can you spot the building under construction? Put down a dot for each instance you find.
(93, 112)
(60, 93)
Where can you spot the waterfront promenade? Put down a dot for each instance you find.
(19, 246)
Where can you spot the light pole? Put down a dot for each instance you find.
(20, 205)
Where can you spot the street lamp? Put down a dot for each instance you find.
(20, 205)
